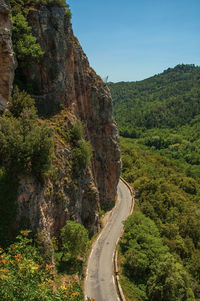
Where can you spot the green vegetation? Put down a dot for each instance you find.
(25, 146)
(25, 276)
(24, 43)
(77, 132)
(82, 155)
(22, 6)
(161, 161)
(75, 240)
(8, 208)
(167, 100)
(151, 271)
(82, 149)
(170, 198)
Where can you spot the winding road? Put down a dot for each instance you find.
(100, 282)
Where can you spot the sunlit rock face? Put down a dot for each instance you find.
(64, 79)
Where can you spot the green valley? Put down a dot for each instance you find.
(159, 121)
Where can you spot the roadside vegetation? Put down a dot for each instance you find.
(170, 199)
(161, 161)
(25, 275)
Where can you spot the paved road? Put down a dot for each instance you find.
(99, 283)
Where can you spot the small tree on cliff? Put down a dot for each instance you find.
(74, 240)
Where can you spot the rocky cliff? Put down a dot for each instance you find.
(7, 62)
(66, 89)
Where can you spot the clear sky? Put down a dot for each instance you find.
(131, 40)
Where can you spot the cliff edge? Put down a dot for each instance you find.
(67, 89)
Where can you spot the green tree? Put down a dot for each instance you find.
(24, 43)
(141, 245)
(74, 240)
(25, 146)
(170, 282)
(21, 101)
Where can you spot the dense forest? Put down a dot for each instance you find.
(160, 248)
(167, 100)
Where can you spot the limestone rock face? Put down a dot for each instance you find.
(64, 79)
(7, 62)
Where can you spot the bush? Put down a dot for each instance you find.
(82, 155)
(21, 101)
(74, 240)
(50, 3)
(68, 14)
(25, 276)
(24, 145)
(24, 43)
(22, 5)
(77, 131)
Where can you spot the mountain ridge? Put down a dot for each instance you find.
(165, 100)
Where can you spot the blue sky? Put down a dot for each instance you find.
(134, 39)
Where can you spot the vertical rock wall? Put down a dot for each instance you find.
(64, 79)
(7, 61)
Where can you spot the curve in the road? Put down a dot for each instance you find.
(100, 282)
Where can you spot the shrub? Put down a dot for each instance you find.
(60, 3)
(68, 14)
(74, 240)
(77, 131)
(82, 155)
(19, 5)
(25, 276)
(24, 43)
(24, 145)
(21, 101)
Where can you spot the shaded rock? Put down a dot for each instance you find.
(7, 61)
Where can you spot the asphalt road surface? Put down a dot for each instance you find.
(100, 282)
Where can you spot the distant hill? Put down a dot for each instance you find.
(167, 100)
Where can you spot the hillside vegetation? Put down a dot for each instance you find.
(160, 248)
(167, 100)
(163, 114)
(170, 200)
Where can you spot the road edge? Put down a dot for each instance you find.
(98, 235)
(116, 270)
(115, 265)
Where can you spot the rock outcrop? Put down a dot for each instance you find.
(63, 79)
(7, 62)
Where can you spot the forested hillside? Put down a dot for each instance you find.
(160, 248)
(163, 114)
(166, 100)
(160, 254)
